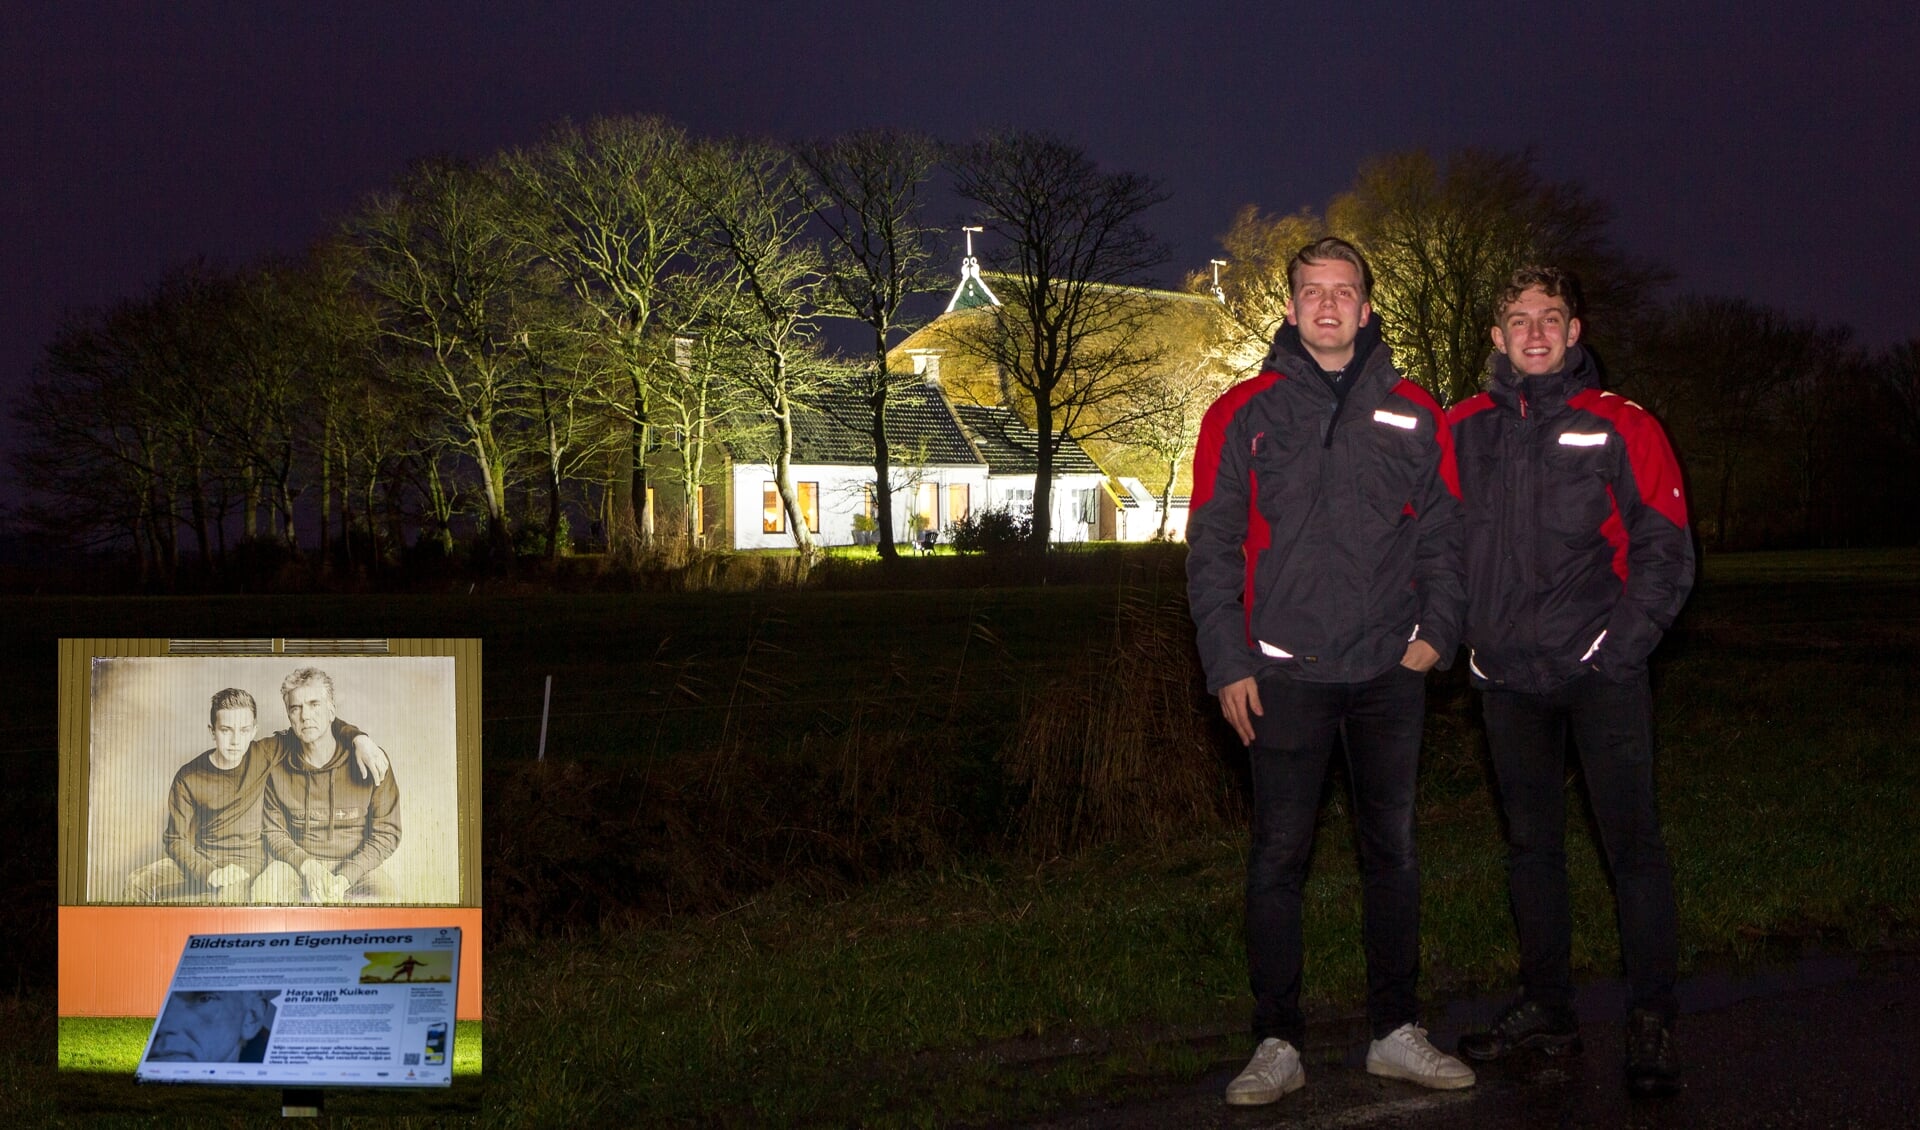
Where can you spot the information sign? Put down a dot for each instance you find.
(346, 1008)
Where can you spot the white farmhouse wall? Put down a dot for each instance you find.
(841, 498)
(1141, 522)
(1016, 492)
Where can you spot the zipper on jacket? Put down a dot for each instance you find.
(1333, 418)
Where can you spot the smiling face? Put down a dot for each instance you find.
(1535, 331)
(232, 730)
(1329, 307)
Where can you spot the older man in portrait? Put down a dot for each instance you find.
(328, 826)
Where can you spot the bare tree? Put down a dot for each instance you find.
(1069, 335)
(1443, 240)
(879, 253)
(562, 417)
(95, 453)
(1727, 363)
(756, 207)
(1171, 401)
(456, 290)
(1813, 416)
(1899, 373)
(699, 401)
(269, 414)
(119, 424)
(607, 205)
(363, 434)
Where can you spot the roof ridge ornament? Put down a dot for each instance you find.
(973, 290)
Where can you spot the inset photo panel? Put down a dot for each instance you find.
(277, 780)
(273, 781)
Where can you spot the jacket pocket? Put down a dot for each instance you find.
(1574, 499)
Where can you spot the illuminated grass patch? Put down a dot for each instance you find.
(113, 1044)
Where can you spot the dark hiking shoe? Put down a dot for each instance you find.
(1653, 1067)
(1527, 1025)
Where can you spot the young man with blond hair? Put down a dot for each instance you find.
(1578, 558)
(1323, 574)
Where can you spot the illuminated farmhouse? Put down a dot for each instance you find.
(961, 440)
(1130, 429)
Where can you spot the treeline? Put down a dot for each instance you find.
(478, 350)
(1791, 434)
(576, 328)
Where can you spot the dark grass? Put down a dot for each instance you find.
(987, 984)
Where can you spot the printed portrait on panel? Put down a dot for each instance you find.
(273, 781)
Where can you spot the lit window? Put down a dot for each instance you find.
(699, 512)
(773, 518)
(926, 505)
(959, 501)
(810, 505)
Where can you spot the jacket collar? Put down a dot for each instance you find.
(1370, 357)
(1546, 394)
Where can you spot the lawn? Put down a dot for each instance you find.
(984, 984)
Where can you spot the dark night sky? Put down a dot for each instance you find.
(1760, 149)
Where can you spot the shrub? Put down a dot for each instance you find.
(530, 536)
(574, 846)
(1119, 746)
(994, 531)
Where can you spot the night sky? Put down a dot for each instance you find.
(1759, 149)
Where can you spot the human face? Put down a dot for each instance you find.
(208, 1027)
(310, 711)
(1535, 332)
(1328, 308)
(232, 731)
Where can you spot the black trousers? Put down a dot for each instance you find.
(1295, 737)
(1612, 727)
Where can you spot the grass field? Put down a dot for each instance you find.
(987, 984)
(97, 1057)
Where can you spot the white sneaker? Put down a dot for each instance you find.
(1404, 1053)
(1273, 1071)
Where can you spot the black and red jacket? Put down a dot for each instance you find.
(1324, 535)
(1578, 552)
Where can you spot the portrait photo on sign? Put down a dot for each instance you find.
(273, 781)
(222, 1026)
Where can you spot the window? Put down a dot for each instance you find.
(866, 500)
(926, 506)
(810, 505)
(773, 518)
(959, 498)
(699, 512)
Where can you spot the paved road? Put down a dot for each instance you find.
(1828, 1042)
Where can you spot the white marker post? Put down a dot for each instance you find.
(544, 704)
